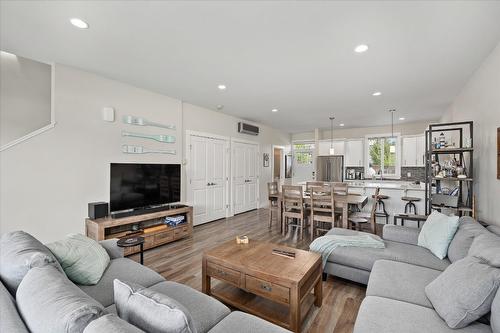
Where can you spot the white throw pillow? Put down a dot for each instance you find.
(437, 233)
(151, 311)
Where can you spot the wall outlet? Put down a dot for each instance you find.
(408, 174)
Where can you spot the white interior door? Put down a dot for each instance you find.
(207, 178)
(245, 177)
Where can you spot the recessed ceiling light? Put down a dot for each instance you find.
(274, 110)
(401, 118)
(341, 125)
(361, 48)
(220, 106)
(377, 93)
(222, 87)
(79, 23)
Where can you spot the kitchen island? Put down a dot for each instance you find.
(394, 189)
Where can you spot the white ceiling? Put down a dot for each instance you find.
(294, 56)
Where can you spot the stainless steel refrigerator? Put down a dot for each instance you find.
(330, 168)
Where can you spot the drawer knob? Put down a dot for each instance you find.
(221, 272)
(266, 287)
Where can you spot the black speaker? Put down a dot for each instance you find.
(98, 210)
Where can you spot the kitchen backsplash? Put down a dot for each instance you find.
(417, 173)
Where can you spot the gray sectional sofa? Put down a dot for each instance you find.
(397, 276)
(209, 315)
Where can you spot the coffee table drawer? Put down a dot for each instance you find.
(223, 273)
(266, 289)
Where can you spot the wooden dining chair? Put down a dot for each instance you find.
(362, 218)
(313, 183)
(323, 215)
(272, 190)
(293, 207)
(340, 188)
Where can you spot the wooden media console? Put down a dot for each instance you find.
(147, 225)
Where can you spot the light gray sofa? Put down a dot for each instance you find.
(397, 276)
(209, 315)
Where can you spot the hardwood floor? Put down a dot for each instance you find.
(181, 262)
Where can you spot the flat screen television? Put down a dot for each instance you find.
(143, 186)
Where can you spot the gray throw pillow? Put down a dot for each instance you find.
(111, 323)
(151, 311)
(487, 248)
(49, 302)
(83, 259)
(19, 251)
(464, 292)
(468, 229)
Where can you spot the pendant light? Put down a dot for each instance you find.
(332, 150)
(392, 148)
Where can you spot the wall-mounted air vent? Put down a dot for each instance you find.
(248, 129)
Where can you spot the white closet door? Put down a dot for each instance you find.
(216, 170)
(207, 173)
(239, 177)
(251, 176)
(198, 194)
(245, 177)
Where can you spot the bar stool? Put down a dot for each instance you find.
(410, 204)
(380, 211)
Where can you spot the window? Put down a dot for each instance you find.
(303, 153)
(383, 156)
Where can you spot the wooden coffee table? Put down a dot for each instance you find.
(254, 280)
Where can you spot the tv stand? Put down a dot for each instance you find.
(147, 224)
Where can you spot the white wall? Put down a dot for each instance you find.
(360, 132)
(200, 119)
(47, 181)
(25, 96)
(480, 101)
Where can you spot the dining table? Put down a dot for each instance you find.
(341, 199)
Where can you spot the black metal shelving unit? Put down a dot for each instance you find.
(466, 158)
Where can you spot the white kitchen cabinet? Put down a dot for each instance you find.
(409, 151)
(324, 147)
(354, 153)
(420, 150)
(413, 152)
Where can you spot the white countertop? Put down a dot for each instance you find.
(383, 184)
(386, 184)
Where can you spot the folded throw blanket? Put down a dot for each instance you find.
(325, 245)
